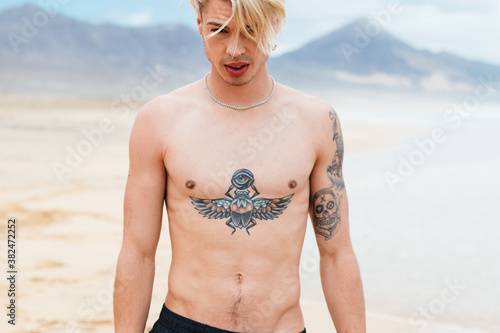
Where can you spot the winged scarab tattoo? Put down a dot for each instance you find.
(241, 209)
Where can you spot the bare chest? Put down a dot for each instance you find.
(205, 154)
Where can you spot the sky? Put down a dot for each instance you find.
(467, 28)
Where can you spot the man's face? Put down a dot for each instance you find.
(235, 58)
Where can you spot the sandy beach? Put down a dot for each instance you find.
(69, 218)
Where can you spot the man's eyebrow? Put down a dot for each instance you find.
(218, 25)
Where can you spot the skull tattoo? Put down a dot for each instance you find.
(326, 205)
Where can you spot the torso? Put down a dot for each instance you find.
(237, 270)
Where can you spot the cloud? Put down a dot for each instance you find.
(142, 18)
(451, 6)
(465, 33)
(376, 78)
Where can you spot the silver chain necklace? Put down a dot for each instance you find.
(241, 107)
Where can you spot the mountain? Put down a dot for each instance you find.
(46, 52)
(357, 55)
(64, 53)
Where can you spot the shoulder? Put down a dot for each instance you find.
(168, 105)
(311, 110)
(307, 105)
(157, 121)
(166, 110)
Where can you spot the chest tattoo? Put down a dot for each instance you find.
(241, 208)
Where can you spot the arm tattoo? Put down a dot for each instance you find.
(326, 217)
(335, 170)
(327, 202)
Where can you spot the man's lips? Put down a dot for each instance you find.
(237, 65)
(237, 68)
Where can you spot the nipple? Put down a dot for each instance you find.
(292, 184)
(190, 184)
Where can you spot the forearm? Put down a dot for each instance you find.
(132, 294)
(343, 291)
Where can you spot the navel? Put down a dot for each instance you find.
(292, 184)
(190, 184)
(239, 278)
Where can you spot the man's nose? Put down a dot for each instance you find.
(235, 47)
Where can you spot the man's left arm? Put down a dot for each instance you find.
(339, 268)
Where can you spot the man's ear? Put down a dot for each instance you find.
(199, 22)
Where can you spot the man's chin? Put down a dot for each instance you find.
(237, 81)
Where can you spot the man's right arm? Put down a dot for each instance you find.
(143, 207)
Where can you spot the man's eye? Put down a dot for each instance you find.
(250, 30)
(219, 32)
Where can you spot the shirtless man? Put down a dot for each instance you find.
(238, 184)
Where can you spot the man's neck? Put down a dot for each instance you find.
(255, 91)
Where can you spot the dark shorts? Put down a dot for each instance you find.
(170, 322)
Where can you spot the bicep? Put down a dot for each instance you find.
(329, 207)
(145, 190)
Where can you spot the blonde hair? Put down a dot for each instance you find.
(258, 20)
